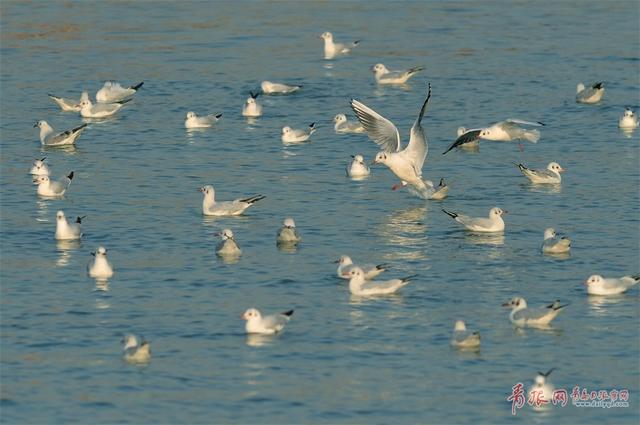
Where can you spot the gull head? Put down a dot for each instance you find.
(60, 215)
(628, 113)
(596, 278)
(549, 233)
(327, 36)
(129, 341)
(354, 273)
(251, 314)
(516, 302)
(496, 212)
(539, 380)
(459, 326)
(381, 158)
(39, 163)
(207, 190)
(289, 223)
(379, 69)
(108, 84)
(486, 132)
(41, 179)
(40, 124)
(101, 252)
(250, 101)
(85, 103)
(344, 260)
(358, 158)
(226, 234)
(286, 130)
(340, 118)
(191, 115)
(555, 167)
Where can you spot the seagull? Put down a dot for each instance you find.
(481, 224)
(550, 175)
(48, 137)
(629, 120)
(598, 285)
(99, 110)
(277, 88)
(384, 76)
(51, 189)
(332, 49)
(358, 168)
(405, 163)
(522, 316)
(112, 92)
(236, 207)
(39, 168)
(503, 131)
(463, 338)
(592, 94)
(291, 135)
(359, 285)
(345, 265)
(288, 233)
(553, 244)
(194, 121)
(134, 353)
(100, 267)
(266, 325)
(228, 245)
(344, 126)
(251, 106)
(66, 231)
(70, 105)
(543, 389)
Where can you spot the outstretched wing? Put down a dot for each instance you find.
(417, 149)
(378, 128)
(523, 122)
(469, 136)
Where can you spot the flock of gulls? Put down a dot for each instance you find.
(404, 161)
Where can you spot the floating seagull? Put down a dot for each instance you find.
(50, 189)
(48, 137)
(598, 285)
(553, 244)
(384, 76)
(344, 126)
(194, 121)
(358, 168)
(592, 94)
(112, 92)
(629, 120)
(70, 105)
(228, 245)
(291, 135)
(522, 316)
(100, 267)
(266, 325)
(345, 265)
(236, 207)
(541, 390)
(39, 168)
(359, 285)
(66, 231)
(503, 131)
(99, 110)
(550, 175)
(134, 353)
(332, 49)
(251, 106)
(463, 338)
(288, 233)
(481, 224)
(278, 88)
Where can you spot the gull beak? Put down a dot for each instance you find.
(505, 212)
(346, 274)
(243, 316)
(93, 254)
(35, 125)
(201, 189)
(352, 156)
(35, 180)
(336, 261)
(561, 170)
(506, 305)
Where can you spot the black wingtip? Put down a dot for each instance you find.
(383, 266)
(442, 182)
(355, 43)
(541, 123)
(51, 95)
(408, 278)
(450, 147)
(70, 176)
(450, 214)
(312, 125)
(122, 102)
(79, 219)
(598, 85)
(218, 116)
(288, 313)
(137, 86)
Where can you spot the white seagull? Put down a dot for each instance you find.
(360, 286)
(134, 352)
(522, 316)
(543, 389)
(550, 175)
(345, 265)
(591, 94)
(236, 207)
(463, 338)
(66, 231)
(344, 126)
(598, 285)
(99, 110)
(493, 223)
(100, 267)
(292, 135)
(385, 76)
(503, 131)
(266, 325)
(552, 244)
(70, 105)
(112, 92)
(194, 121)
(358, 168)
(629, 120)
(251, 107)
(332, 49)
(48, 137)
(51, 189)
(277, 88)
(228, 245)
(39, 168)
(288, 233)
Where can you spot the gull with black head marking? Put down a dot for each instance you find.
(48, 137)
(113, 92)
(592, 94)
(205, 121)
(333, 49)
(345, 265)
(493, 223)
(385, 76)
(503, 131)
(52, 189)
(288, 233)
(523, 316)
(251, 107)
(277, 88)
(66, 231)
(265, 325)
(541, 389)
(228, 245)
(100, 110)
(463, 338)
(628, 120)
(358, 168)
(70, 105)
(135, 352)
(550, 175)
(553, 244)
(598, 285)
(360, 286)
(39, 168)
(212, 208)
(293, 135)
(100, 267)
(342, 125)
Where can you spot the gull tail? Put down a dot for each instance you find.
(70, 176)
(449, 213)
(355, 43)
(556, 305)
(122, 102)
(79, 219)
(53, 96)
(79, 128)
(137, 86)
(548, 372)
(521, 167)
(598, 85)
(415, 70)
(218, 116)
(406, 280)
(253, 199)
(636, 279)
(312, 128)
(531, 135)
(383, 267)
(287, 313)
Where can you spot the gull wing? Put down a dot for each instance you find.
(523, 122)
(378, 128)
(469, 136)
(417, 149)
